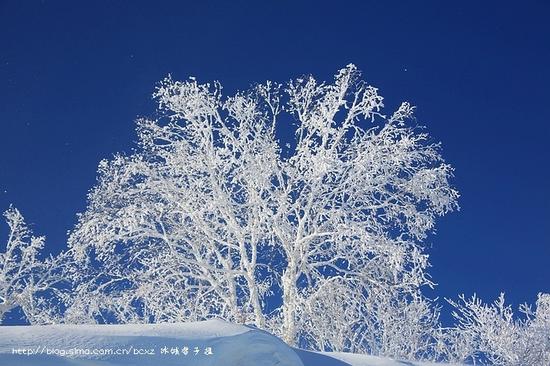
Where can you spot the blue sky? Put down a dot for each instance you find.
(75, 75)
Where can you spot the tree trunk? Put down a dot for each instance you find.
(259, 320)
(289, 308)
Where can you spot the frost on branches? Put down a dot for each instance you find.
(492, 334)
(27, 282)
(318, 240)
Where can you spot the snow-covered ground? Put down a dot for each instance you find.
(212, 342)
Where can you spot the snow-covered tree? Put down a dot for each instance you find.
(318, 240)
(25, 279)
(491, 334)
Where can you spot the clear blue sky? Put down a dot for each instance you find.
(74, 75)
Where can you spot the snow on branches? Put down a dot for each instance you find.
(24, 277)
(320, 243)
(491, 333)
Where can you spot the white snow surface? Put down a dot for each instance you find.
(354, 359)
(231, 345)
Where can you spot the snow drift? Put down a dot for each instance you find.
(212, 342)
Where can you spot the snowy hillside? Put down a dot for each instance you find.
(212, 342)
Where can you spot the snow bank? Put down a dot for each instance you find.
(310, 358)
(212, 342)
(353, 359)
